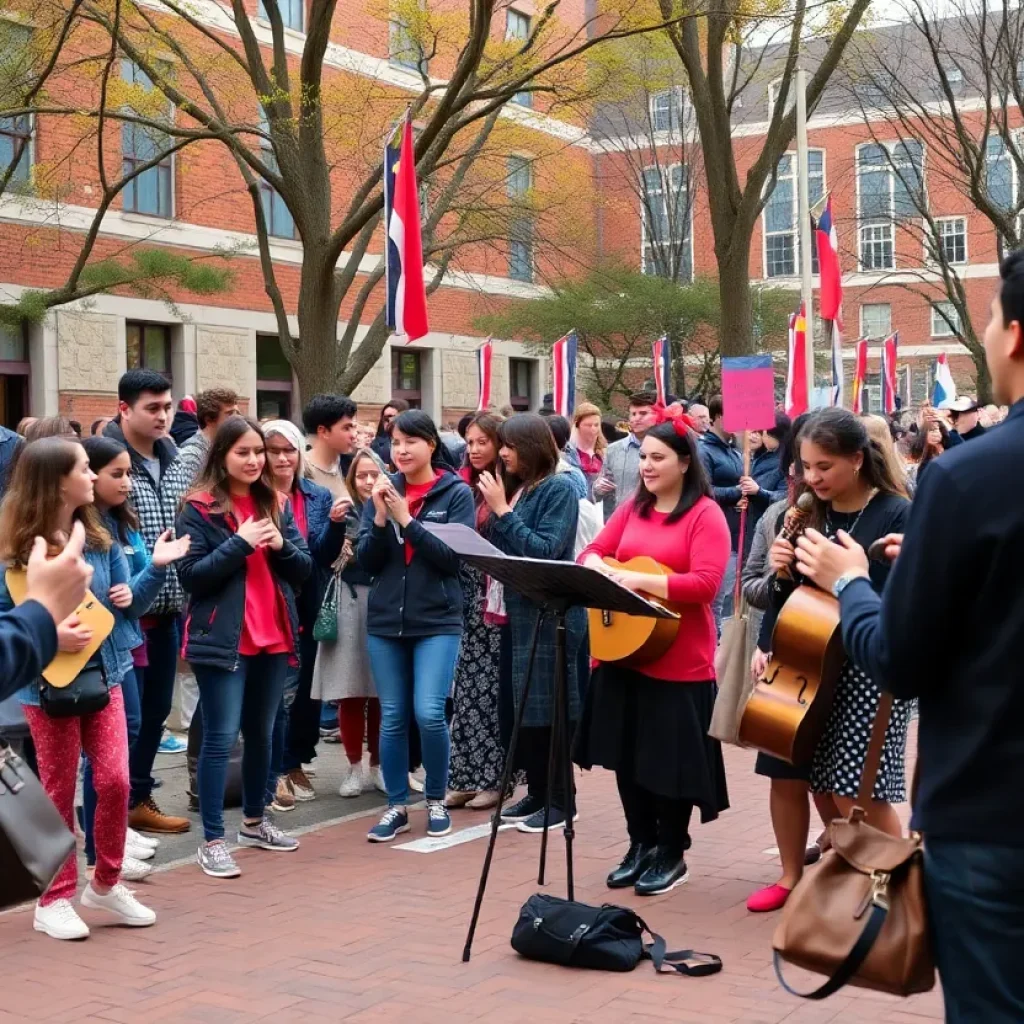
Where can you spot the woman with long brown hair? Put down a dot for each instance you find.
(50, 490)
(478, 755)
(242, 627)
(587, 444)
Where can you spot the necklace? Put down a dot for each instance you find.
(831, 531)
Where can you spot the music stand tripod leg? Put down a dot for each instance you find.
(506, 777)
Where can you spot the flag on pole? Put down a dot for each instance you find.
(484, 360)
(944, 390)
(860, 372)
(563, 363)
(797, 399)
(837, 365)
(406, 291)
(831, 296)
(889, 349)
(662, 369)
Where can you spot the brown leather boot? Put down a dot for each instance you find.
(147, 817)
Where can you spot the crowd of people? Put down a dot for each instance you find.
(295, 570)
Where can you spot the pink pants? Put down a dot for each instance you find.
(59, 743)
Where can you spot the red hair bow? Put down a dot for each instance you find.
(674, 414)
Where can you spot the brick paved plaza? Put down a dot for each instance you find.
(342, 930)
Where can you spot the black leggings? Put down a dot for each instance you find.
(532, 753)
(652, 819)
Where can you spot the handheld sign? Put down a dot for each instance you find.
(748, 393)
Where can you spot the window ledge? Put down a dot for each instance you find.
(148, 218)
(290, 243)
(299, 35)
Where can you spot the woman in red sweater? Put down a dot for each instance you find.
(649, 724)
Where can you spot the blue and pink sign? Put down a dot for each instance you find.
(748, 393)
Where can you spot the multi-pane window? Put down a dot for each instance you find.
(291, 13)
(520, 384)
(952, 239)
(945, 320)
(667, 110)
(407, 375)
(520, 249)
(875, 320)
(1002, 183)
(890, 188)
(151, 191)
(280, 223)
(774, 89)
(273, 379)
(517, 26)
(148, 347)
(520, 177)
(781, 216)
(15, 132)
(404, 49)
(667, 243)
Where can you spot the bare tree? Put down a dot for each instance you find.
(723, 52)
(946, 85)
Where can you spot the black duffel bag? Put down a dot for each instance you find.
(607, 938)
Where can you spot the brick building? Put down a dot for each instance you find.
(71, 362)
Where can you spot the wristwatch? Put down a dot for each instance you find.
(845, 580)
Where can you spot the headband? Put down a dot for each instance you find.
(674, 414)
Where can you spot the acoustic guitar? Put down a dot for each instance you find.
(632, 639)
(789, 706)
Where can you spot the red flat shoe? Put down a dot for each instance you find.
(766, 900)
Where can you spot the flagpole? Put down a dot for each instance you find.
(804, 215)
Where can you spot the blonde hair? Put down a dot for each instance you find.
(584, 410)
(878, 430)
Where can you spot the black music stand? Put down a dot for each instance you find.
(554, 587)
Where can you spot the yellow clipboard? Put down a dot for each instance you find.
(91, 612)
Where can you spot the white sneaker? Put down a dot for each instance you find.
(60, 921)
(352, 783)
(415, 783)
(133, 870)
(138, 839)
(137, 851)
(374, 779)
(120, 902)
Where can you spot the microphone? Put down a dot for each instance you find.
(795, 523)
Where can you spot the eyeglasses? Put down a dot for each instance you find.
(282, 451)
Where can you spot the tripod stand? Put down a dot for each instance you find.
(554, 588)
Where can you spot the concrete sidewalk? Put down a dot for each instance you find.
(345, 930)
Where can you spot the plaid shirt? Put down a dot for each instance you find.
(157, 508)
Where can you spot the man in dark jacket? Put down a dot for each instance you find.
(10, 442)
(724, 466)
(185, 422)
(969, 803)
(144, 410)
(963, 414)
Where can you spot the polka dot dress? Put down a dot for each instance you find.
(841, 753)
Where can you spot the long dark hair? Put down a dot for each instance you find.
(488, 423)
(841, 433)
(400, 405)
(531, 437)
(921, 451)
(416, 423)
(214, 477)
(695, 480)
(102, 451)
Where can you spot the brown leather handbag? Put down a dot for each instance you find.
(859, 916)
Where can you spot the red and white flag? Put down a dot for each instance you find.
(889, 350)
(484, 360)
(831, 297)
(797, 400)
(858, 403)
(406, 291)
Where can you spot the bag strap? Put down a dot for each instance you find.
(874, 754)
(683, 961)
(849, 967)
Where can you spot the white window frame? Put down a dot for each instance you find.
(663, 172)
(518, 163)
(940, 223)
(676, 100)
(863, 331)
(396, 30)
(888, 225)
(773, 92)
(954, 74)
(261, 15)
(173, 157)
(940, 328)
(524, 98)
(795, 230)
(28, 160)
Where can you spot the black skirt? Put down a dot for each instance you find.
(658, 732)
(775, 768)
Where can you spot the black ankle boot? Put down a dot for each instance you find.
(633, 865)
(665, 872)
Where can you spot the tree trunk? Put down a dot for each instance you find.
(737, 330)
(982, 379)
(315, 360)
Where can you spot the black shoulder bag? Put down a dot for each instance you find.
(86, 694)
(607, 938)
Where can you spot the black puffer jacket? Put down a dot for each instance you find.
(213, 575)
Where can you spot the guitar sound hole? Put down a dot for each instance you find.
(606, 618)
(803, 687)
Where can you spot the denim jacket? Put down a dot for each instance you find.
(145, 580)
(109, 569)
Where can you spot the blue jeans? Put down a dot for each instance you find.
(246, 699)
(130, 692)
(722, 606)
(413, 675)
(156, 693)
(279, 740)
(976, 910)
